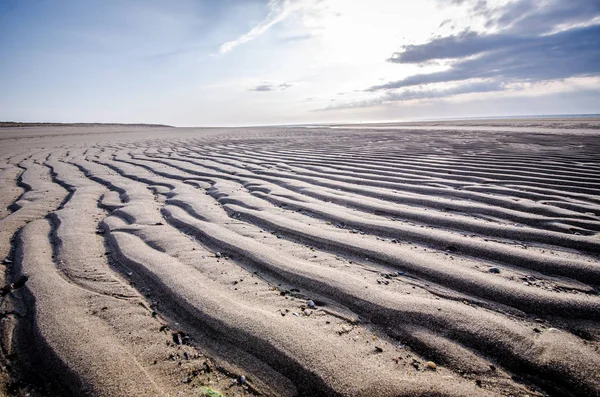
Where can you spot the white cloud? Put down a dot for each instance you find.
(278, 11)
(486, 90)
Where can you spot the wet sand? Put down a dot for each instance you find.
(452, 259)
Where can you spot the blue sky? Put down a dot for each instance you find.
(256, 62)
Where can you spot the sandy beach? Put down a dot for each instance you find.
(425, 259)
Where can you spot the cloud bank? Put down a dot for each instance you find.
(505, 57)
(524, 41)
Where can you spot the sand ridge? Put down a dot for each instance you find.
(311, 261)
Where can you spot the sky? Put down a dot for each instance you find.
(269, 62)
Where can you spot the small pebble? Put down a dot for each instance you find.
(177, 338)
(494, 270)
(415, 364)
(431, 365)
(242, 379)
(310, 304)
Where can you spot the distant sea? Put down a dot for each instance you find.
(538, 116)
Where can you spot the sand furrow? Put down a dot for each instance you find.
(80, 251)
(82, 352)
(9, 180)
(40, 197)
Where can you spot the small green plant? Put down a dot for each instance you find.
(208, 392)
